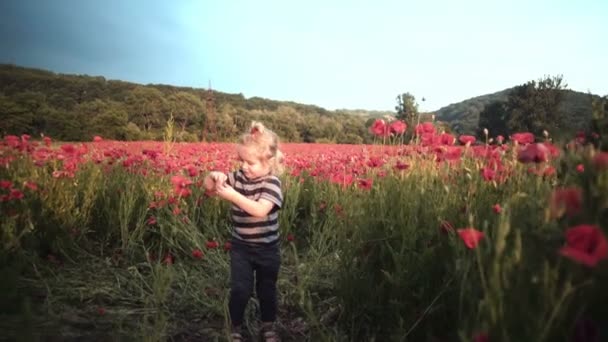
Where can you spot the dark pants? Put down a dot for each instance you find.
(244, 261)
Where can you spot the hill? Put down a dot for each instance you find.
(76, 107)
(463, 117)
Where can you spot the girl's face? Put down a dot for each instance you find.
(251, 164)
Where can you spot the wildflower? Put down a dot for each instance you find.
(16, 194)
(585, 244)
(401, 166)
(180, 182)
(97, 138)
(447, 139)
(580, 168)
(227, 245)
(497, 209)
(488, 174)
(101, 311)
(470, 237)
(380, 128)
(566, 200)
(446, 227)
(6, 184)
(197, 254)
(338, 210)
(322, 206)
(523, 138)
(365, 184)
(533, 153)
(68, 148)
(290, 237)
(168, 260)
(397, 127)
(600, 161)
(31, 185)
(467, 139)
(212, 244)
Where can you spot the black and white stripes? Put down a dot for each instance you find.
(250, 229)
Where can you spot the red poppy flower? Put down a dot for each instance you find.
(523, 138)
(488, 174)
(533, 153)
(497, 209)
(212, 244)
(568, 200)
(227, 246)
(380, 128)
(580, 168)
(446, 227)
(398, 127)
(366, 184)
(151, 221)
(290, 237)
(180, 182)
(401, 166)
(101, 311)
(467, 139)
(470, 237)
(16, 194)
(31, 185)
(197, 254)
(585, 244)
(600, 161)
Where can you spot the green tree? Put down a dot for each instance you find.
(534, 106)
(494, 118)
(224, 122)
(599, 123)
(108, 119)
(187, 109)
(23, 113)
(407, 108)
(147, 107)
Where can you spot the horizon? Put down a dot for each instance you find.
(316, 54)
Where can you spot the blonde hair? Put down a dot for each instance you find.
(266, 143)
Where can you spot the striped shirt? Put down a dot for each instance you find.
(256, 230)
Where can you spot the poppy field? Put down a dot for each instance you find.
(444, 239)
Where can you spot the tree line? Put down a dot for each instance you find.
(78, 107)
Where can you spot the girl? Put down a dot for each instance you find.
(255, 193)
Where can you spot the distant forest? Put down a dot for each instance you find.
(572, 111)
(78, 107)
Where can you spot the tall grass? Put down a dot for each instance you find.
(108, 254)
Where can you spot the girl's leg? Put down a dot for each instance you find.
(241, 284)
(267, 272)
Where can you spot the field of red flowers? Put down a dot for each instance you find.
(444, 239)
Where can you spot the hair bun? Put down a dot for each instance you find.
(256, 128)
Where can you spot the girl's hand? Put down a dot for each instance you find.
(225, 191)
(219, 178)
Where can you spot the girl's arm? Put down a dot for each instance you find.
(259, 208)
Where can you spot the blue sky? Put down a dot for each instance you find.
(335, 54)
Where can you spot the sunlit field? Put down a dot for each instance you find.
(444, 239)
